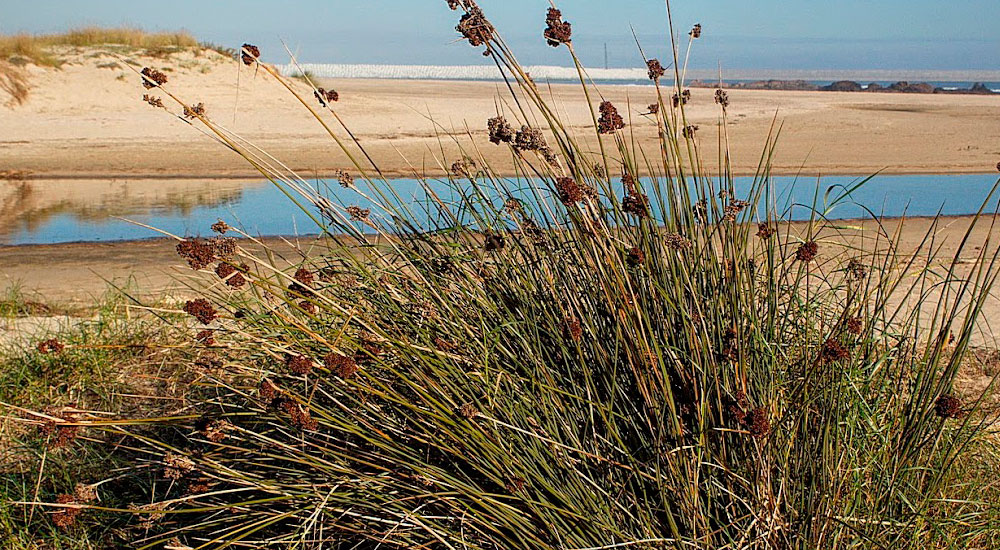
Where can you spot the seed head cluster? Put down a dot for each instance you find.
(474, 27)
(299, 364)
(569, 191)
(326, 97)
(833, 351)
(153, 100)
(500, 130)
(636, 204)
(249, 54)
(635, 257)
(340, 365)
(152, 78)
(529, 139)
(358, 214)
(722, 98)
(807, 251)
(696, 31)
(610, 121)
(676, 241)
(51, 345)
(557, 31)
(655, 69)
(194, 111)
(948, 406)
(681, 99)
(202, 310)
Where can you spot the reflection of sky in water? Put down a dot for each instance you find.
(265, 210)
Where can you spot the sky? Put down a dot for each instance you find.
(738, 34)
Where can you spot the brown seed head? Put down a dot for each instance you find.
(572, 329)
(765, 231)
(556, 30)
(358, 214)
(268, 390)
(177, 466)
(655, 69)
(344, 179)
(340, 365)
(249, 54)
(500, 131)
(326, 97)
(654, 108)
(569, 191)
(153, 101)
(299, 364)
(689, 131)
(474, 27)
(305, 276)
(610, 121)
(66, 517)
(201, 309)
(300, 416)
(676, 241)
(152, 78)
(51, 345)
(635, 257)
(468, 411)
(758, 422)
(529, 139)
(948, 406)
(205, 337)
(636, 204)
(696, 31)
(833, 351)
(722, 98)
(493, 243)
(807, 251)
(681, 99)
(855, 325)
(220, 227)
(199, 254)
(194, 111)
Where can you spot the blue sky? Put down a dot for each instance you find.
(739, 34)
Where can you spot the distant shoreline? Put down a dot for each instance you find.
(628, 74)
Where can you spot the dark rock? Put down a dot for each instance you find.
(843, 86)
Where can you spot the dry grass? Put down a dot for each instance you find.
(27, 48)
(13, 81)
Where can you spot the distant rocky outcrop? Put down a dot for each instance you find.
(977, 89)
(901, 87)
(843, 86)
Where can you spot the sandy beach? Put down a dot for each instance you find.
(87, 120)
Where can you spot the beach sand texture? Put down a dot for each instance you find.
(88, 119)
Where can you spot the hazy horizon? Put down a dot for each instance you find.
(770, 35)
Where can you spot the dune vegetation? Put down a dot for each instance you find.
(611, 349)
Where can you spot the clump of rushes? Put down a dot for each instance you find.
(152, 78)
(557, 31)
(593, 383)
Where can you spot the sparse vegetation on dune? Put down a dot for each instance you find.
(611, 349)
(38, 49)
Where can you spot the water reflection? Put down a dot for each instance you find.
(39, 211)
(45, 211)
